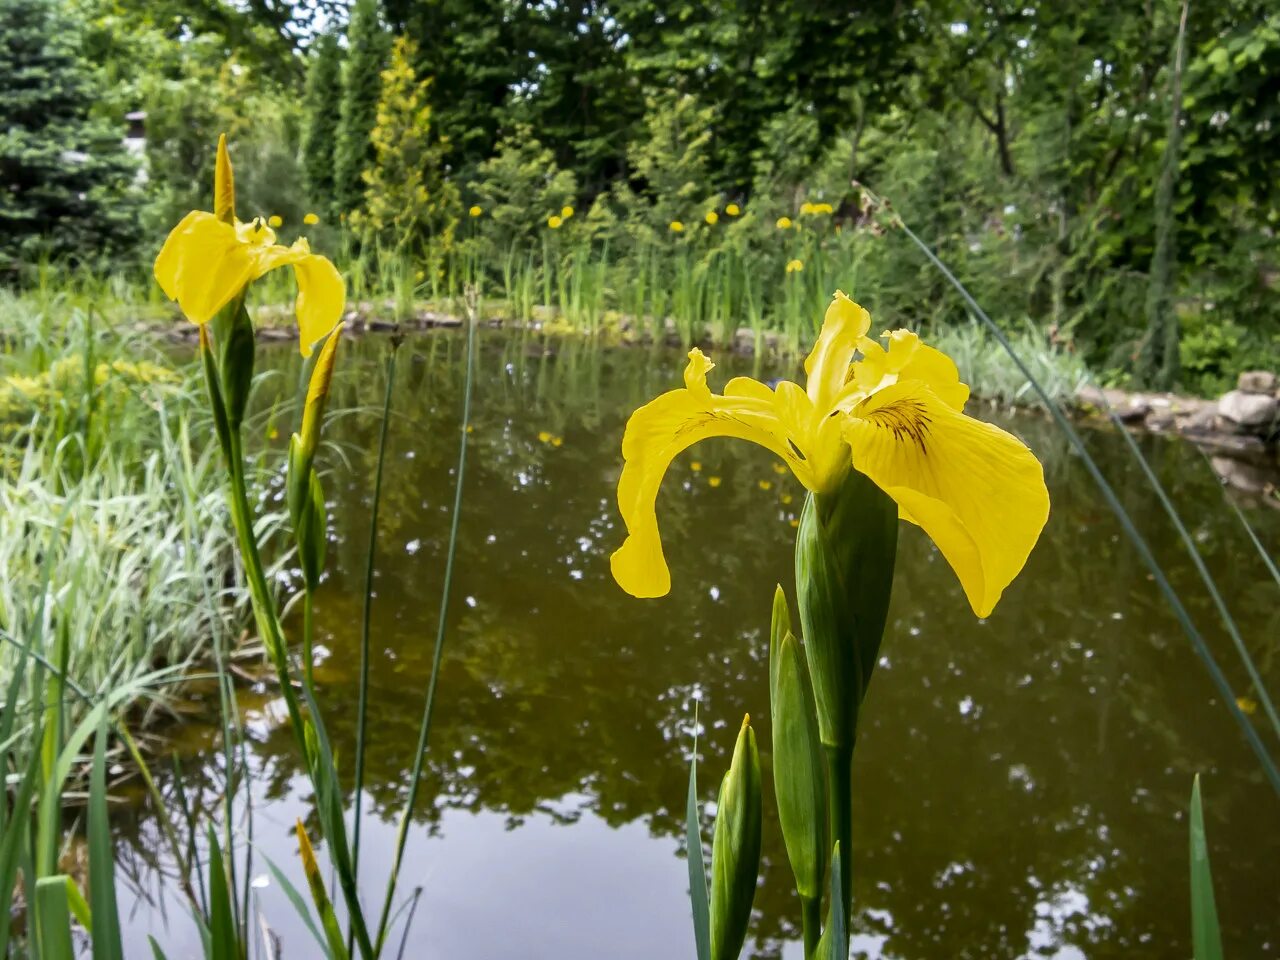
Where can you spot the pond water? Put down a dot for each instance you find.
(1022, 782)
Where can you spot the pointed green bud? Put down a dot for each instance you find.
(318, 392)
(735, 848)
(779, 627)
(797, 767)
(845, 551)
(310, 533)
(233, 332)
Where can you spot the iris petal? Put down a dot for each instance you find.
(827, 365)
(976, 490)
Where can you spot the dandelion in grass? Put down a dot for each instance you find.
(476, 210)
(786, 499)
(733, 210)
(696, 467)
(712, 218)
(676, 226)
(209, 259)
(784, 223)
(893, 413)
(765, 484)
(713, 482)
(795, 266)
(311, 219)
(566, 212)
(544, 436)
(554, 222)
(275, 222)
(825, 209)
(807, 209)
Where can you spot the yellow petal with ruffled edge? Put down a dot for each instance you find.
(827, 366)
(656, 433)
(977, 491)
(205, 263)
(908, 358)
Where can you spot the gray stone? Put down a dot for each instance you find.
(1257, 381)
(1257, 411)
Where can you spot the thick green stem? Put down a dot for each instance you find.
(840, 808)
(811, 922)
(308, 639)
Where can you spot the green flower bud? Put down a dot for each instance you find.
(735, 848)
(310, 532)
(797, 767)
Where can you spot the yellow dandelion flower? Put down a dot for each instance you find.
(712, 218)
(1248, 706)
(544, 436)
(696, 466)
(824, 208)
(795, 266)
(766, 484)
(275, 222)
(807, 209)
(713, 481)
(780, 468)
(784, 223)
(476, 210)
(557, 441)
(554, 222)
(786, 498)
(676, 226)
(794, 522)
(566, 212)
(733, 210)
(311, 219)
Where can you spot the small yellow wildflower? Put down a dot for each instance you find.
(275, 222)
(824, 208)
(794, 522)
(713, 481)
(557, 441)
(1248, 706)
(712, 218)
(780, 468)
(471, 428)
(807, 209)
(273, 434)
(795, 266)
(696, 466)
(784, 223)
(566, 212)
(766, 484)
(476, 210)
(732, 210)
(554, 222)
(786, 499)
(544, 436)
(676, 226)
(311, 219)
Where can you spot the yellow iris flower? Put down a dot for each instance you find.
(895, 415)
(209, 258)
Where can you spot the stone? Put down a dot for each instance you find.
(1256, 381)
(1255, 411)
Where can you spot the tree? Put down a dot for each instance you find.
(407, 199)
(65, 177)
(361, 89)
(319, 140)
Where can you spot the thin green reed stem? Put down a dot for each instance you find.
(308, 638)
(1113, 501)
(362, 707)
(415, 778)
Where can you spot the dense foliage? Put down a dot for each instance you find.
(1028, 142)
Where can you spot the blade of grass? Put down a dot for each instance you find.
(102, 879)
(54, 912)
(223, 943)
(698, 895)
(1206, 939)
(295, 899)
(324, 907)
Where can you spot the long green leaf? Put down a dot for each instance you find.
(698, 894)
(102, 874)
(223, 942)
(54, 912)
(299, 904)
(1206, 939)
(13, 844)
(324, 906)
(156, 952)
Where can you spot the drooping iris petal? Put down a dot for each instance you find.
(202, 265)
(827, 365)
(977, 491)
(321, 291)
(656, 433)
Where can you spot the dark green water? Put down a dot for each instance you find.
(1022, 781)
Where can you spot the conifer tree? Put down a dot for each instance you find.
(361, 89)
(323, 97)
(65, 177)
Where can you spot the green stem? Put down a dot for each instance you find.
(811, 921)
(840, 809)
(308, 639)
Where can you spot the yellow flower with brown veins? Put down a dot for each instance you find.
(209, 259)
(894, 415)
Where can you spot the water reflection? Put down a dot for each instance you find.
(1023, 778)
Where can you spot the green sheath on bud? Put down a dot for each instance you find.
(797, 767)
(310, 531)
(233, 334)
(779, 627)
(735, 848)
(845, 551)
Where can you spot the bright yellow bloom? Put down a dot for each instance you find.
(824, 208)
(476, 210)
(676, 226)
(695, 466)
(786, 498)
(732, 210)
(795, 266)
(807, 209)
(566, 213)
(544, 436)
(765, 484)
(208, 260)
(784, 223)
(711, 482)
(712, 218)
(557, 441)
(274, 222)
(310, 219)
(895, 415)
(554, 222)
